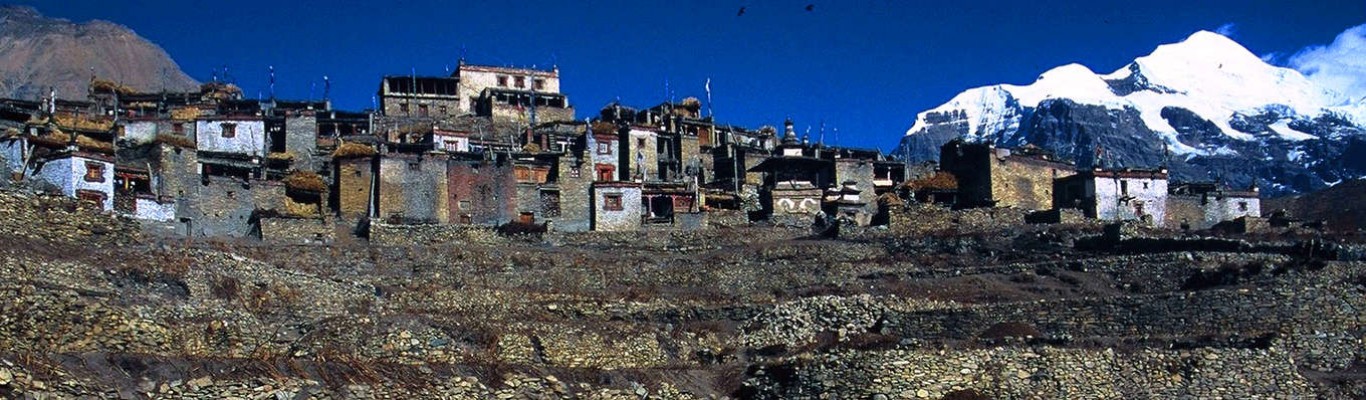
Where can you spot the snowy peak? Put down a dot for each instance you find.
(1206, 101)
(1208, 74)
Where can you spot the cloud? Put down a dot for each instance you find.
(1228, 30)
(1339, 66)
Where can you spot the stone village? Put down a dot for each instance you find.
(492, 146)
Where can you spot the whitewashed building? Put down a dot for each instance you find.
(1115, 195)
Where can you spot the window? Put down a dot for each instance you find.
(90, 196)
(1123, 188)
(539, 84)
(229, 130)
(443, 110)
(403, 108)
(178, 128)
(604, 148)
(611, 202)
(502, 81)
(605, 172)
(464, 204)
(413, 166)
(1242, 206)
(521, 82)
(94, 171)
(640, 143)
(422, 110)
(1145, 185)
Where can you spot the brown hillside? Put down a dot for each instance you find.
(38, 52)
(1341, 207)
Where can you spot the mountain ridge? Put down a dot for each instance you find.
(1206, 106)
(38, 54)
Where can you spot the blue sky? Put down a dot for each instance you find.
(864, 67)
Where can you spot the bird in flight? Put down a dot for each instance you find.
(810, 7)
(742, 12)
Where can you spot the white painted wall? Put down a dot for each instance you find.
(249, 140)
(68, 174)
(12, 153)
(139, 132)
(150, 209)
(1150, 193)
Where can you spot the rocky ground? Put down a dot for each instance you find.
(96, 309)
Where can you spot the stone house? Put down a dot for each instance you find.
(605, 151)
(939, 188)
(616, 206)
(134, 195)
(856, 174)
(84, 175)
(640, 155)
(996, 177)
(479, 83)
(794, 181)
(413, 188)
(670, 204)
(1115, 194)
(421, 97)
(538, 186)
(352, 195)
(1202, 205)
(575, 185)
(232, 146)
(482, 191)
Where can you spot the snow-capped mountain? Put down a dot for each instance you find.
(1206, 107)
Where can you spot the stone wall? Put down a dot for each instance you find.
(1025, 182)
(413, 188)
(352, 186)
(575, 205)
(301, 141)
(1185, 210)
(408, 235)
(225, 206)
(861, 172)
(297, 230)
(916, 219)
(1008, 373)
(726, 218)
(481, 192)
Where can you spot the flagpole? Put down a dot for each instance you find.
(710, 112)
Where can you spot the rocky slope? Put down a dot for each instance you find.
(37, 52)
(1206, 107)
(1339, 207)
(96, 309)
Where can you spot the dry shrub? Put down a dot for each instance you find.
(352, 150)
(280, 156)
(225, 287)
(174, 140)
(83, 122)
(91, 144)
(185, 113)
(107, 86)
(305, 181)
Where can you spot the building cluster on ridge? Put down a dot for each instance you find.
(491, 146)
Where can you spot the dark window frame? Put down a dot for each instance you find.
(612, 202)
